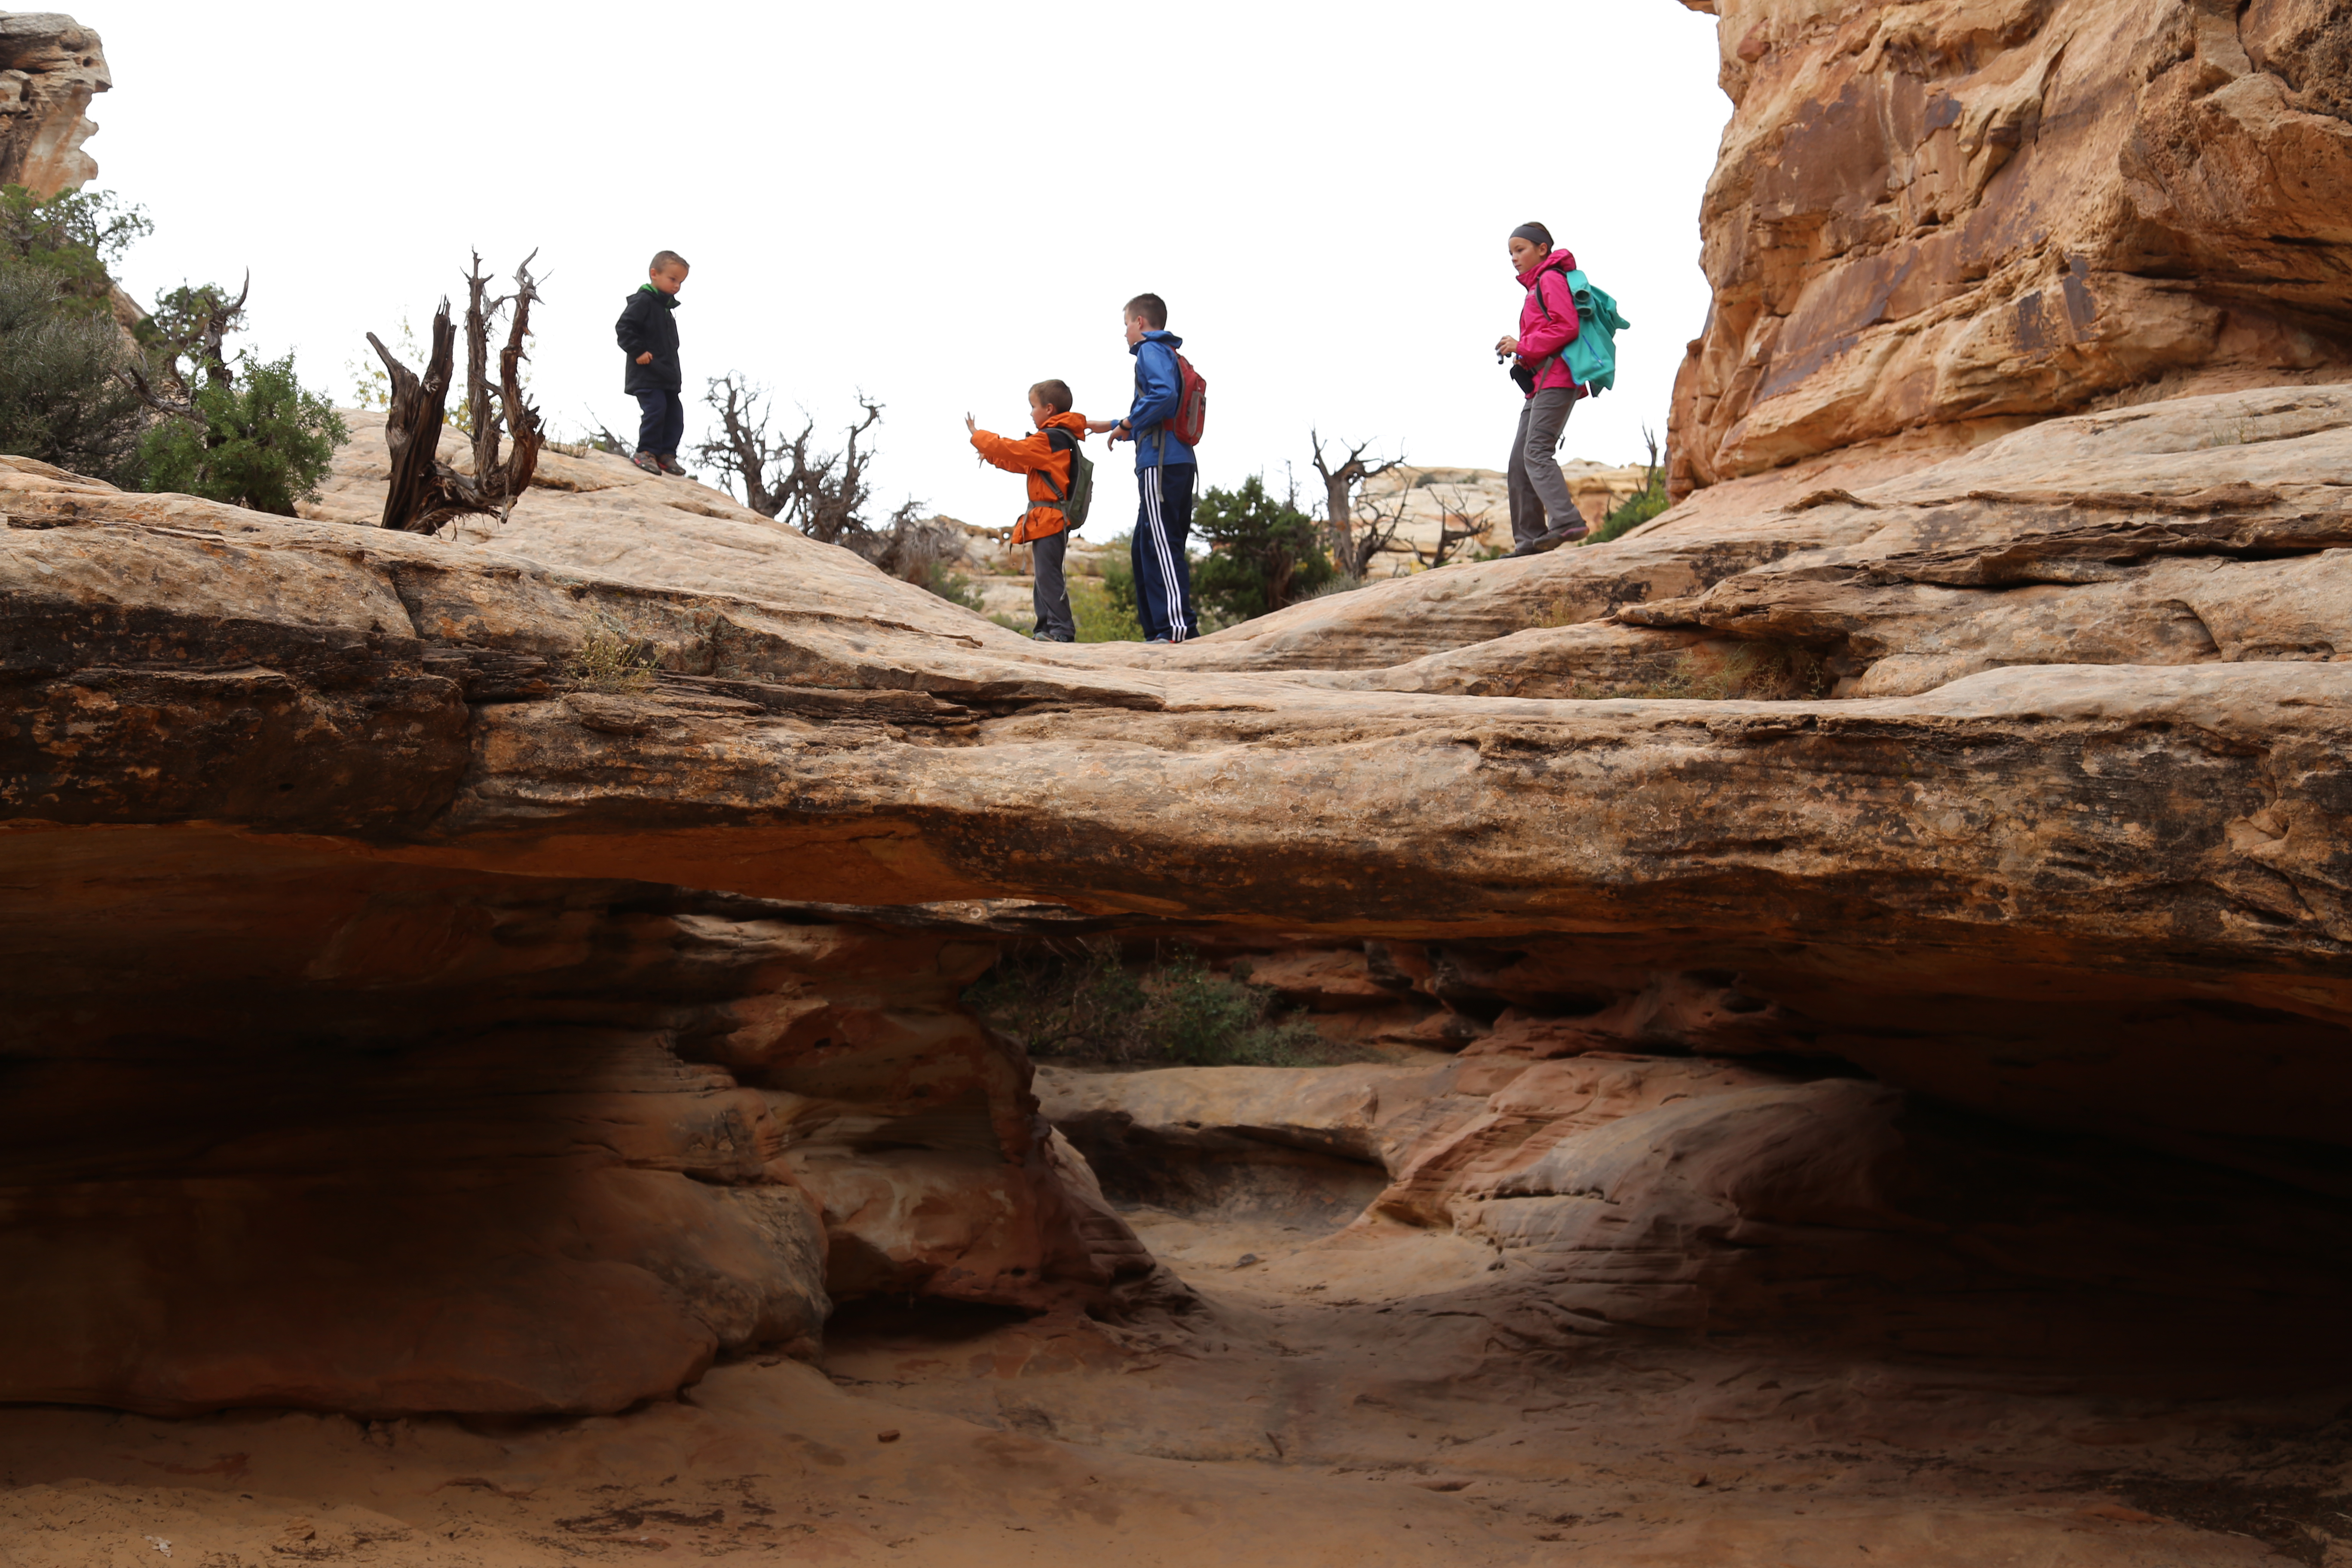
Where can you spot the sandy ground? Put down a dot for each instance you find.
(1336, 1401)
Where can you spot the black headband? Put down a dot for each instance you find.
(1534, 233)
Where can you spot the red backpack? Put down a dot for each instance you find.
(1191, 415)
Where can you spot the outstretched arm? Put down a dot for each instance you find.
(1014, 455)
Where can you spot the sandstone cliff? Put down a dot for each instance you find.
(1932, 224)
(51, 67)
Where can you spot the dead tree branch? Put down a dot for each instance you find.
(425, 492)
(823, 494)
(743, 451)
(188, 324)
(1343, 483)
(1456, 524)
(418, 500)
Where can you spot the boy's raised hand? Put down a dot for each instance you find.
(970, 428)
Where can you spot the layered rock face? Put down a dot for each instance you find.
(1932, 224)
(409, 1016)
(51, 67)
(287, 1128)
(327, 819)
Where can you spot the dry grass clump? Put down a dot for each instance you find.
(611, 661)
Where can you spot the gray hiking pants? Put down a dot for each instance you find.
(1050, 595)
(1538, 490)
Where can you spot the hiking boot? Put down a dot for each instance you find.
(669, 463)
(648, 461)
(1551, 541)
(1049, 636)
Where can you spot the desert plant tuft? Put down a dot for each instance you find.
(610, 660)
(1633, 513)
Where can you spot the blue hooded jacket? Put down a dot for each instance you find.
(1157, 390)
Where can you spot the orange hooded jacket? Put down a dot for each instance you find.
(1035, 456)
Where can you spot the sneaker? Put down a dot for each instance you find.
(669, 463)
(1551, 541)
(1155, 642)
(648, 461)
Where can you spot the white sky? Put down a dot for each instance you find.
(941, 204)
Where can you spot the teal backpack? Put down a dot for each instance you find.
(1591, 358)
(1071, 506)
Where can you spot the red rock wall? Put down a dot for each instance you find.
(1931, 223)
(281, 1127)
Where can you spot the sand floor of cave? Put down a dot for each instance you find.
(1354, 1400)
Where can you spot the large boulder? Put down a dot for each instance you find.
(1934, 224)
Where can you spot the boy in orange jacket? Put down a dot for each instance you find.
(1046, 456)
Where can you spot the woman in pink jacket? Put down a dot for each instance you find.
(1542, 516)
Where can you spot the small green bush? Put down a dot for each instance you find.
(1085, 1002)
(62, 399)
(1105, 607)
(1634, 511)
(263, 444)
(1265, 553)
(953, 586)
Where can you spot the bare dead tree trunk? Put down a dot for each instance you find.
(1341, 482)
(418, 500)
(425, 492)
(522, 422)
(744, 445)
(835, 511)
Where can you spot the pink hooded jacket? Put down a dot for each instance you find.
(1541, 339)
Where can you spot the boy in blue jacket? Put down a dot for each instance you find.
(1164, 471)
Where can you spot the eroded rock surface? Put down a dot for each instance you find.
(51, 67)
(1942, 222)
(2018, 880)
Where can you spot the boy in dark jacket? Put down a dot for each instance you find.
(647, 332)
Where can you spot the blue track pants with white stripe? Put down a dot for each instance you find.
(1163, 578)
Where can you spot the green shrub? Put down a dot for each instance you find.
(1634, 511)
(263, 444)
(1265, 553)
(62, 399)
(76, 237)
(1085, 1002)
(1105, 607)
(953, 586)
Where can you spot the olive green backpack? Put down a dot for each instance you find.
(1071, 506)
